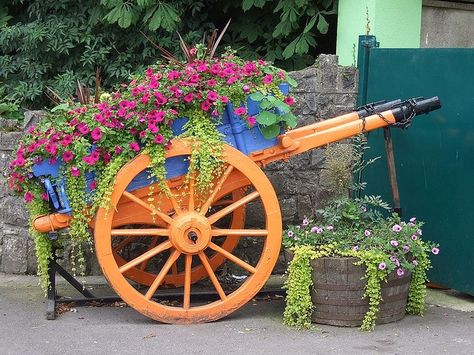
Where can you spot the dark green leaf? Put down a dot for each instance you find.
(257, 96)
(322, 25)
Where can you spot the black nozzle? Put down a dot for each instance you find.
(410, 108)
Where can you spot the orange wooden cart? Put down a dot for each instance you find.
(190, 235)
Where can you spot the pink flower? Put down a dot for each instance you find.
(414, 237)
(75, 171)
(415, 263)
(159, 139)
(224, 99)
(289, 100)
(400, 272)
(240, 111)
(118, 150)
(201, 67)
(211, 83)
(67, 156)
(367, 233)
(394, 243)
(305, 222)
(206, 105)
(89, 160)
(406, 248)
(153, 128)
(413, 220)
(382, 266)
(96, 134)
(435, 251)
(396, 228)
(20, 161)
(44, 196)
(134, 146)
(51, 149)
(212, 96)
(268, 79)
(246, 88)
(290, 234)
(84, 129)
(93, 185)
(29, 196)
(188, 97)
(251, 120)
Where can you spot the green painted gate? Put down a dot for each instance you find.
(435, 156)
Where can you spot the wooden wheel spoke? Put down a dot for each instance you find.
(174, 269)
(148, 207)
(174, 203)
(233, 258)
(159, 278)
(226, 210)
(217, 232)
(218, 186)
(140, 232)
(123, 244)
(187, 281)
(151, 246)
(145, 256)
(212, 275)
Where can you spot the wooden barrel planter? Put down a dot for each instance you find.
(338, 290)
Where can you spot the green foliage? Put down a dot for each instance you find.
(298, 284)
(417, 290)
(55, 43)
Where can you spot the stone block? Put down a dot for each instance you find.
(9, 125)
(9, 140)
(32, 118)
(13, 211)
(15, 247)
(305, 207)
(288, 208)
(283, 182)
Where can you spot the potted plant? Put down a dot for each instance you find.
(352, 266)
(78, 149)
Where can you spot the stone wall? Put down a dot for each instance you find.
(325, 90)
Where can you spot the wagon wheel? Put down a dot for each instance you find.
(190, 236)
(141, 275)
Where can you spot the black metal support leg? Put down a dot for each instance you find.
(51, 301)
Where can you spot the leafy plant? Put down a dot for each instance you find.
(56, 43)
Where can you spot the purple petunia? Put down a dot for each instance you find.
(290, 234)
(382, 266)
(415, 263)
(406, 248)
(435, 251)
(394, 243)
(413, 219)
(367, 233)
(414, 237)
(305, 222)
(400, 272)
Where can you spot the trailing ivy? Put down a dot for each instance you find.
(417, 290)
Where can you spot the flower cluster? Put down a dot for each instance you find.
(140, 115)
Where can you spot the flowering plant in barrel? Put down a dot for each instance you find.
(90, 143)
(387, 247)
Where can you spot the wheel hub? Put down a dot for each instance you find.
(190, 233)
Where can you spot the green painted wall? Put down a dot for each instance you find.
(395, 23)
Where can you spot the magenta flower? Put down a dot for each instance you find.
(240, 111)
(205, 105)
(134, 146)
(367, 233)
(211, 83)
(68, 156)
(29, 196)
(93, 185)
(400, 272)
(96, 134)
(224, 99)
(251, 120)
(20, 161)
(435, 251)
(84, 129)
(394, 243)
(118, 150)
(212, 96)
(396, 228)
(159, 139)
(382, 266)
(44, 196)
(75, 171)
(268, 79)
(289, 100)
(188, 97)
(246, 88)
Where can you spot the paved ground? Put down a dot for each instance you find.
(255, 329)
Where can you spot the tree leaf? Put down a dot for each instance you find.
(266, 118)
(322, 25)
(289, 119)
(247, 4)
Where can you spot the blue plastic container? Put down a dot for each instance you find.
(235, 131)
